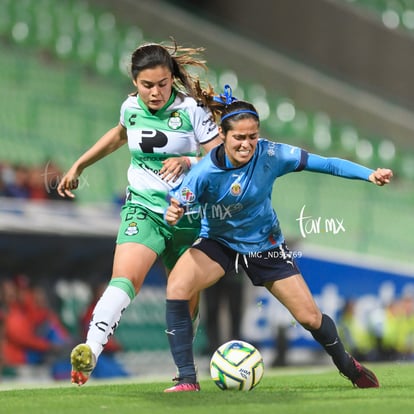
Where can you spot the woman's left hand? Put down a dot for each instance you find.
(381, 176)
(173, 167)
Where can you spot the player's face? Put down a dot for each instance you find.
(154, 86)
(240, 142)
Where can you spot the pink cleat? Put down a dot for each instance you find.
(365, 378)
(184, 386)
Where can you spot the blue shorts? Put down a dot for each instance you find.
(260, 267)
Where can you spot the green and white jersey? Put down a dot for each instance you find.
(175, 130)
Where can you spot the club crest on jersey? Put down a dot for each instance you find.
(175, 120)
(132, 229)
(235, 189)
(187, 195)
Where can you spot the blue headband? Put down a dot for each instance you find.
(241, 111)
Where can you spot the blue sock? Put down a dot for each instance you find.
(180, 336)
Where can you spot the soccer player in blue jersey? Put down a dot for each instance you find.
(231, 188)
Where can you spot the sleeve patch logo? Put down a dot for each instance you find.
(187, 195)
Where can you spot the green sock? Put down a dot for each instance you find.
(125, 284)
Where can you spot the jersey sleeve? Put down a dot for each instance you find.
(192, 187)
(122, 113)
(205, 129)
(288, 158)
(186, 192)
(337, 166)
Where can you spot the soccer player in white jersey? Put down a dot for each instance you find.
(231, 189)
(166, 129)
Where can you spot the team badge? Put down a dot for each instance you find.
(132, 229)
(175, 120)
(235, 189)
(187, 195)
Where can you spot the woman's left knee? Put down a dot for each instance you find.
(176, 289)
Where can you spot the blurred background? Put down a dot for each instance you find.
(331, 76)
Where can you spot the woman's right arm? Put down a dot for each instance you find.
(108, 143)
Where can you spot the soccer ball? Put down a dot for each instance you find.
(236, 365)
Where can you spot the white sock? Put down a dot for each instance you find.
(106, 316)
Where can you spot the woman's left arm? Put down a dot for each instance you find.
(347, 169)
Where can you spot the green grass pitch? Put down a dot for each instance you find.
(289, 390)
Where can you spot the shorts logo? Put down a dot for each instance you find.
(187, 195)
(198, 241)
(235, 189)
(175, 120)
(272, 239)
(132, 229)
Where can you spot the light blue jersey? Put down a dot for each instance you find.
(235, 203)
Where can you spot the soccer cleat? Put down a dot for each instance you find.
(365, 378)
(185, 386)
(83, 362)
(177, 374)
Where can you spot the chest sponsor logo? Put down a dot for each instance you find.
(147, 139)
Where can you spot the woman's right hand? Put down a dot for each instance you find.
(174, 212)
(69, 182)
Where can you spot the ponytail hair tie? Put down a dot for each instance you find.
(226, 98)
